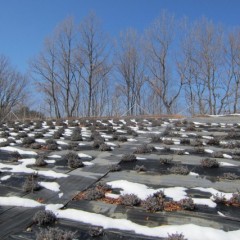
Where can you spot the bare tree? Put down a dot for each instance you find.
(58, 75)
(130, 65)
(159, 42)
(232, 56)
(93, 56)
(12, 85)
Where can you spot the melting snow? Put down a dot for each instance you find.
(21, 152)
(53, 186)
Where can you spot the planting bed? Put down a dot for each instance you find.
(120, 179)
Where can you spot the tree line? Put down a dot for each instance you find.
(174, 66)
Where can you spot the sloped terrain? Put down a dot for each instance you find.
(119, 179)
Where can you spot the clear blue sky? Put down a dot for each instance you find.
(24, 24)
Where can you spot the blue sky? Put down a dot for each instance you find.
(24, 24)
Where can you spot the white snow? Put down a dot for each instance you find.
(27, 161)
(39, 140)
(214, 192)
(141, 158)
(207, 137)
(88, 163)
(3, 140)
(60, 195)
(5, 178)
(111, 144)
(53, 186)
(222, 164)
(112, 195)
(132, 140)
(54, 156)
(18, 201)
(50, 161)
(14, 149)
(204, 201)
(227, 156)
(193, 174)
(83, 155)
(208, 150)
(62, 143)
(190, 231)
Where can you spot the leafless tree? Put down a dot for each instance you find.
(159, 47)
(58, 75)
(232, 57)
(130, 65)
(12, 87)
(93, 56)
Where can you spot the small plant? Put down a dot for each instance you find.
(219, 198)
(40, 161)
(140, 168)
(51, 144)
(129, 158)
(104, 147)
(187, 204)
(230, 176)
(218, 154)
(235, 199)
(176, 236)
(22, 135)
(168, 142)
(76, 135)
(31, 184)
(55, 234)
(153, 203)
(73, 160)
(144, 149)
(74, 146)
(44, 217)
(15, 156)
(122, 138)
(130, 200)
(156, 138)
(96, 231)
(179, 169)
(185, 141)
(196, 143)
(57, 135)
(115, 168)
(210, 163)
(94, 194)
(36, 145)
(213, 142)
(38, 135)
(28, 140)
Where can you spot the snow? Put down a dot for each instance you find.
(141, 158)
(27, 161)
(142, 191)
(3, 140)
(83, 155)
(5, 178)
(54, 156)
(225, 164)
(214, 192)
(62, 143)
(88, 163)
(21, 152)
(208, 150)
(204, 201)
(132, 140)
(22, 168)
(39, 140)
(190, 231)
(50, 161)
(60, 195)
(18, 201)
(53, 186)
(112, 195)
(207, 137)
(111, 144)
(193, 174)
(227, 156)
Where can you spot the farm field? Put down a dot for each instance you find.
(121, 179)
